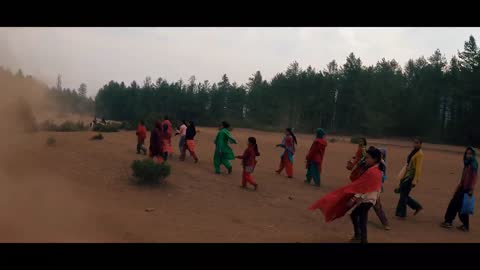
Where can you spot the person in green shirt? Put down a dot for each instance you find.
(223, 152)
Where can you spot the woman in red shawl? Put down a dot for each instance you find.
(167, 132)
(361, 195)
(156, 142)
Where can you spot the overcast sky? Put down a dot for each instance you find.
(97, 55)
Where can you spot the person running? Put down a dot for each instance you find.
(156, 147)
(378, 205)
(249, 162)
(314, 158)
(356, 164)
(286, 159)
(189, 142)
(167, 131)
(464, 188)
(360, 195)
(182, 130)
(223, 152)
(141, 136)
(410, 180)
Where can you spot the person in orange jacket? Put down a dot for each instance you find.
(141, 136)
(249, 162)
(314, 158)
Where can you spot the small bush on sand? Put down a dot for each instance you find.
(99, 136)
(51, 141)
(148, 171)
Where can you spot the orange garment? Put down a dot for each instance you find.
(287, 164)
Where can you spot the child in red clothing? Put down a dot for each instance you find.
(249, 162)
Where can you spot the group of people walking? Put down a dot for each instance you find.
(367, 173)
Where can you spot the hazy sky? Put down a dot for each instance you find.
(98, 55)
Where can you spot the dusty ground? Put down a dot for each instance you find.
(79, 191)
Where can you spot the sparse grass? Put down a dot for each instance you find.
(333, 140)
(148, 171)
(355, 139)
(106, 128)
(51, 141)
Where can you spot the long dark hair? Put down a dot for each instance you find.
(253, 141)
(225, 124)
(290, 131)
(377, 156)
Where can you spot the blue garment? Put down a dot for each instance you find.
(467, 205)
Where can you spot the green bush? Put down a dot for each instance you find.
(66, 126)
(148, 171)
(51, 141)
(99, 136)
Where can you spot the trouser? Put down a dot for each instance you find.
(454, 208)
(405, 199)
(165, 156)
(380, 213)
(181, 144)
(313, 172)
(141, 146)
(247, 177)
(192, 153)
(359, 218)
(287, 164)
(218, 160)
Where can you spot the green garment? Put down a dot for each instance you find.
(221, 144)
(313, 172)
(223, 152)
(217, 161)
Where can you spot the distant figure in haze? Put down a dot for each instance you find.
(249, 162)
(182, 131)
(360, 195)
(464, 191)
(189, 142)
(156, 146)
(167, 132)
(223, 152)
(314, 158)
(286, 159)
(141, 136)
(357, 163)
(413, 170)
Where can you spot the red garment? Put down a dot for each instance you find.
(167, 129)
(190, 146)
(469, 178)
(335, 204)
(141, 133)
(317, 151)
(248, 157)
(247, 177)
(285, 163)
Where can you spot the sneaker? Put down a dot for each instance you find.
(387, 228)
(446, 225)
(462, 228)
